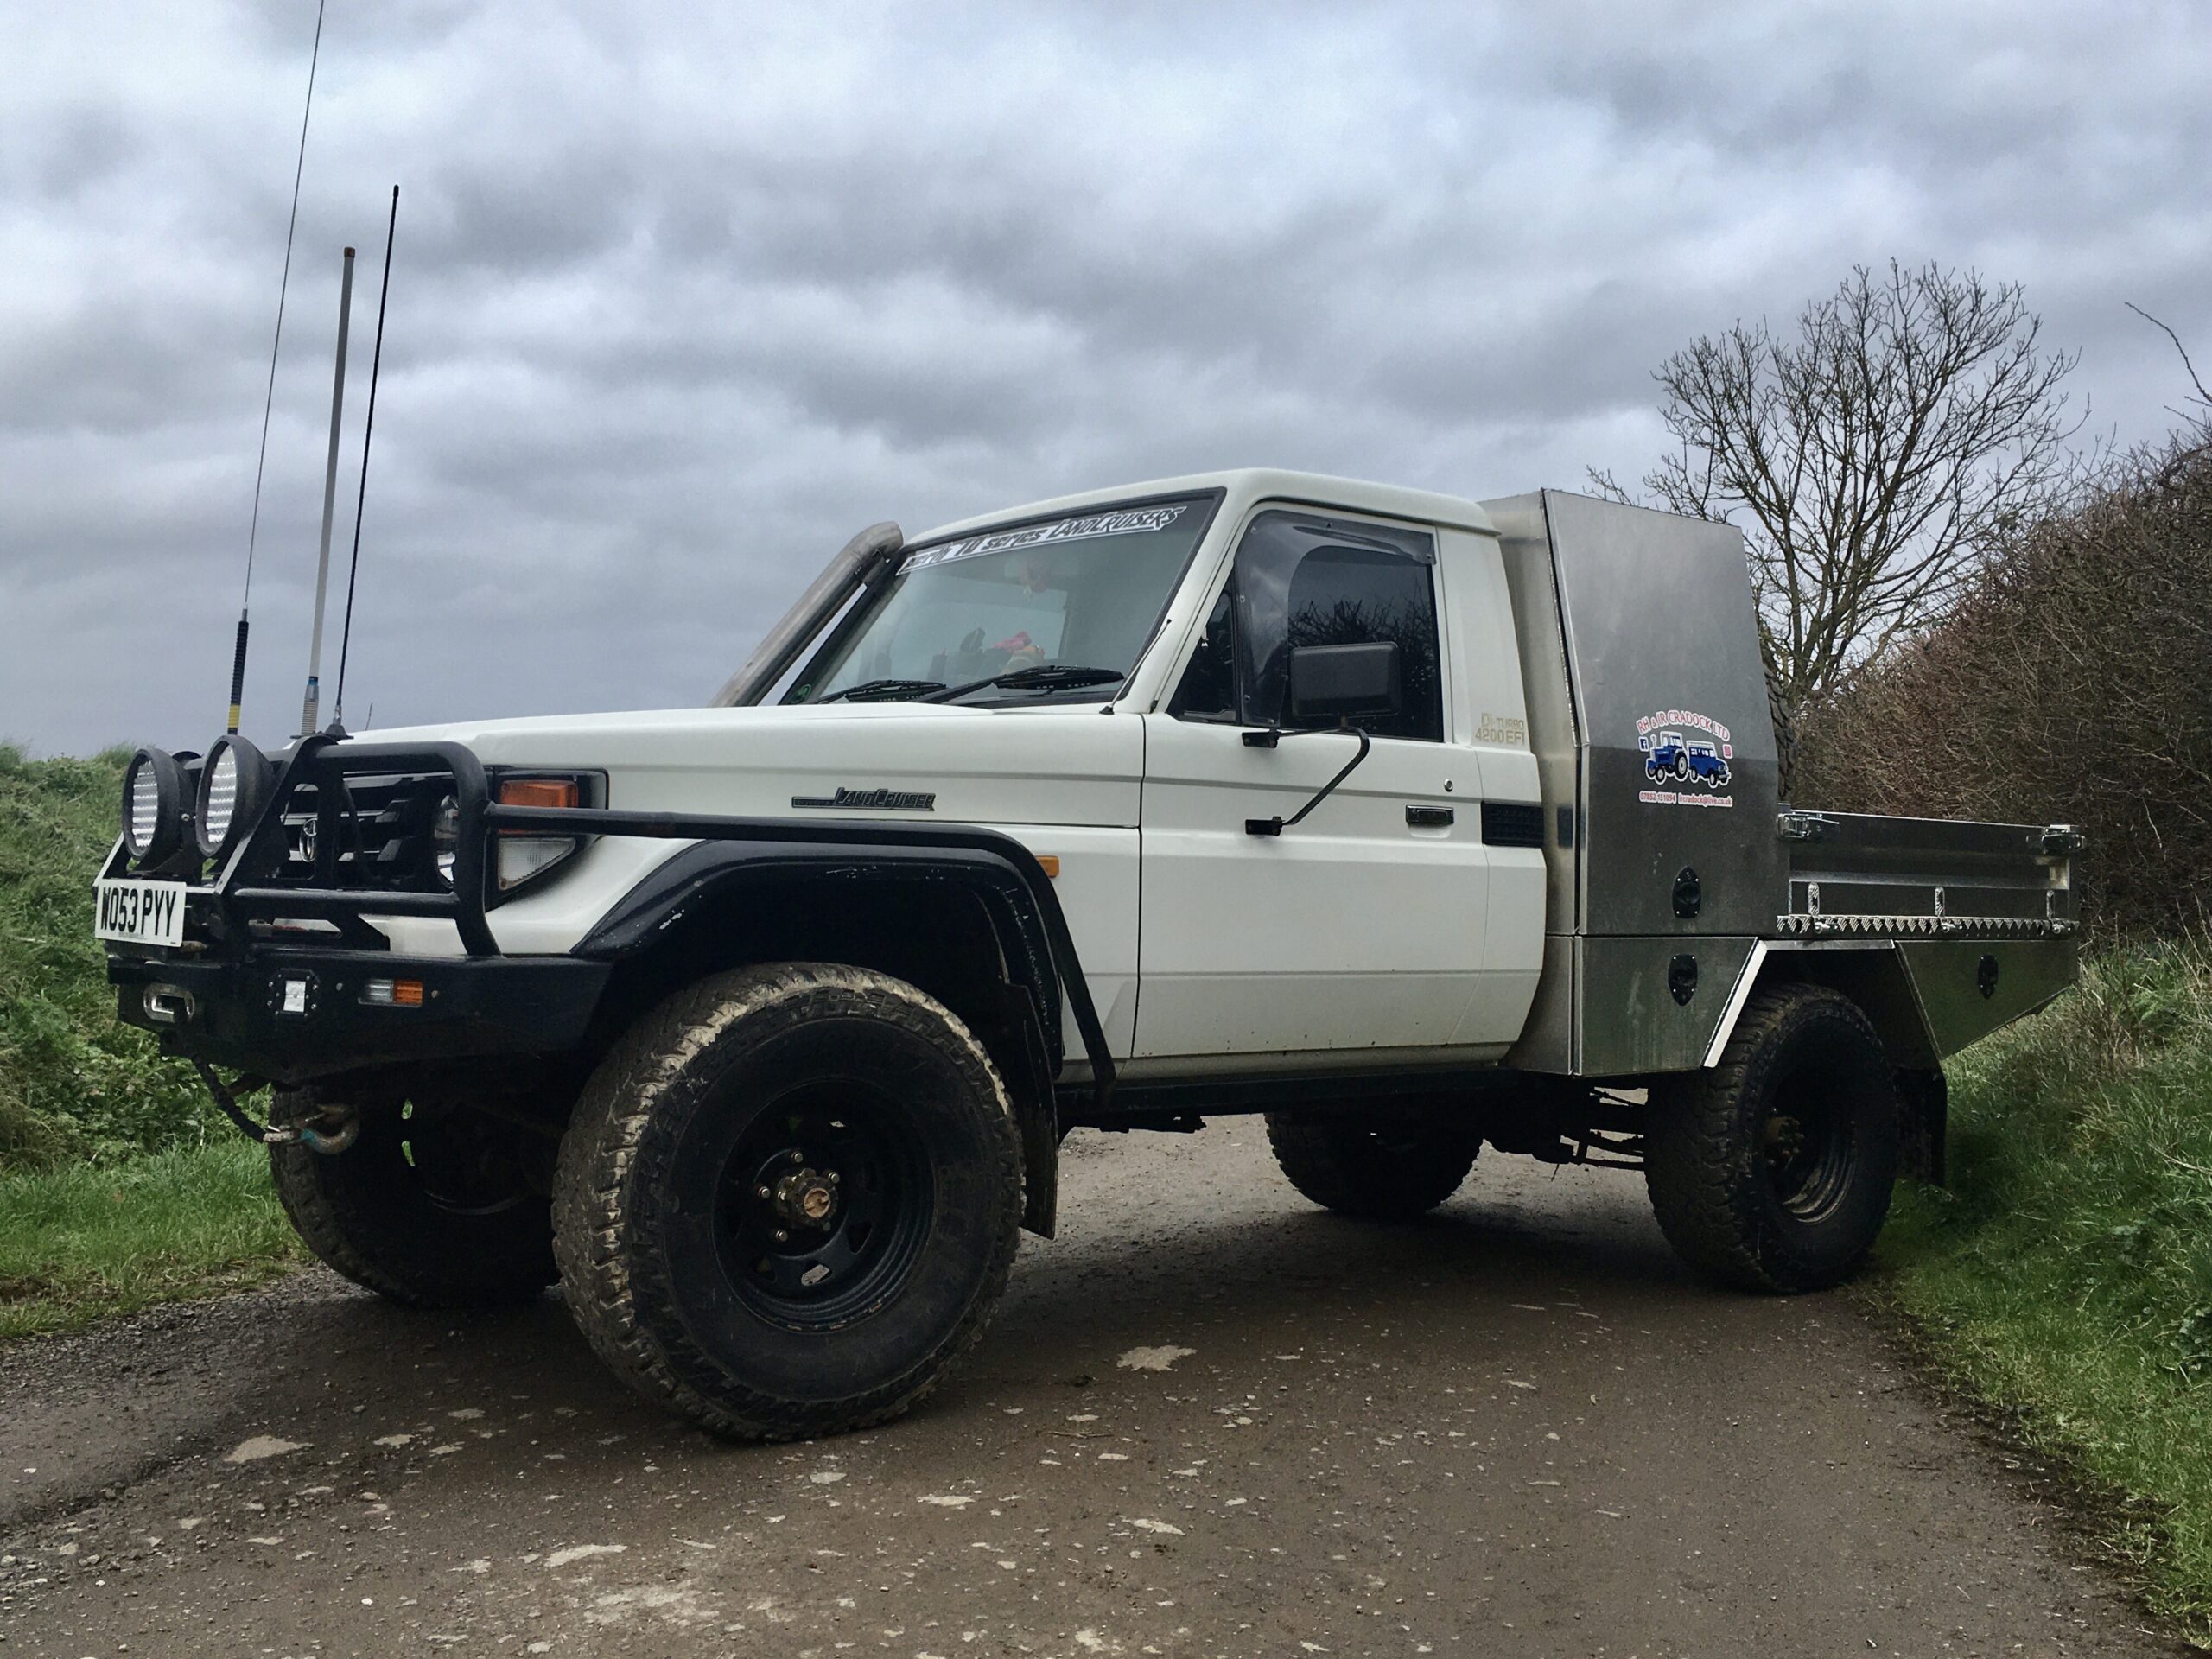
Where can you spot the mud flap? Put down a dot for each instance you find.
(1037, 1115)
(1040, 1167)
(1925, 1116)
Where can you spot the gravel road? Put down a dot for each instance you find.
(1209, 1419)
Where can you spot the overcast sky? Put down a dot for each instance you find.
(684, 296)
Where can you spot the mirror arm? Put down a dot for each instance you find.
(1268, 737)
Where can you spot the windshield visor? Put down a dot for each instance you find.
(1085, 591)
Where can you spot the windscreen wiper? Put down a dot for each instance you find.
(1044, 677)
(882, 690)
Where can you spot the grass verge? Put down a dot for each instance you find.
(81, 1241)
(2065, 1279)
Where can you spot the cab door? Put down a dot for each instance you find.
(1361, 927)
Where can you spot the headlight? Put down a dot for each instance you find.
(233, 787)
(153, 806)
(445, 837)
(524, 858)
(518, 856)
(523, 855)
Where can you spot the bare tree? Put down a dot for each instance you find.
(2197, 420)
(1872, 461)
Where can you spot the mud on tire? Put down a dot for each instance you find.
(1387, 1171)
(788, 1201)
(1773, 1170)
(431, 1209)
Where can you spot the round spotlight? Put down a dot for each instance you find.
(153, 806)
(233, 788)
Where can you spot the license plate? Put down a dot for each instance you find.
(139, 913)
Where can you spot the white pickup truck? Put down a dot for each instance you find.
(1413, 823)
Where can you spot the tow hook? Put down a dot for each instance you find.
(334, 1128)
(331, 1130)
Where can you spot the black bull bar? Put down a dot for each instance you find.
(1009, 875)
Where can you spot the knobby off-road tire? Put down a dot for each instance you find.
(430, 1208)
(788, 1201)
(1773, 1170)
(1385, 1171)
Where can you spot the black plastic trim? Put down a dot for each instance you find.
(1512, 823)
(736, 847)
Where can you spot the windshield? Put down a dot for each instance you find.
(1062, 607)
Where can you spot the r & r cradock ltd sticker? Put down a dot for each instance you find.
(1687, 758)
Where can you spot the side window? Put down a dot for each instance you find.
(1302, 580)
(1353, 594)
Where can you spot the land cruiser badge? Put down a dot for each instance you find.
(870, 800)
(1688, 759)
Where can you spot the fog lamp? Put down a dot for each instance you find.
(153, 806)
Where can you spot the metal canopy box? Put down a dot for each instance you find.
(1647, 708)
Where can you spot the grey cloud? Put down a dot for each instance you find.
(681, 298)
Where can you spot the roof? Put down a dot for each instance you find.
(1248, 484)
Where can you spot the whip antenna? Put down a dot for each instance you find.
(313, 697)
(368, 432)
(269, 399)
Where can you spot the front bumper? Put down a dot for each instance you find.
(290, 1015)
(280, 949)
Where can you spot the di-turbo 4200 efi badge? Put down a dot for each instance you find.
(870, 800)
(1688, 759)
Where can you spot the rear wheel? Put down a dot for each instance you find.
(1773, 1170)
(433, 1205)
(788, 1201)
(1378, 1170)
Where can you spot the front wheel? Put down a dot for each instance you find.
(433, 1206)
(788, 1201)
(1773, 1170)
(1378, 1169)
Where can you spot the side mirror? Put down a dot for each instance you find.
(1337, 682)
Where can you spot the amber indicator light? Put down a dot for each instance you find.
(537, 791)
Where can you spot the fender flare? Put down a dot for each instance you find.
(1872, 972)
(729, 854)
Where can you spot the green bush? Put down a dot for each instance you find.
(74, 1083)
(2068, 686)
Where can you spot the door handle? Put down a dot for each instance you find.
(1428, 818)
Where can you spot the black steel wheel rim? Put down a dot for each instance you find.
(1811, 1146)
(823, 1206)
